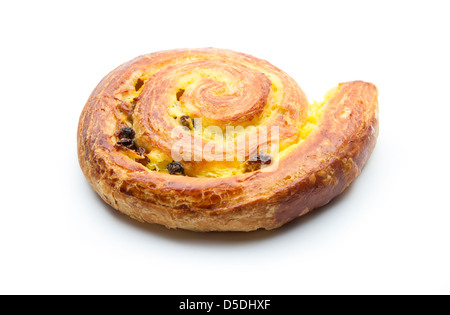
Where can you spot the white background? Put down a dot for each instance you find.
(388, 233)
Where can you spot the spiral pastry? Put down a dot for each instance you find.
(215, 140)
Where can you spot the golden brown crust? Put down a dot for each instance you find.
(316, 171)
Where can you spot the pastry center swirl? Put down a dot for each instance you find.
(223, 94)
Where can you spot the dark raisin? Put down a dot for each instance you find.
(264, 158)
(175, 168)
(139, 84)
(187, 121)
(127, 143)
(126, 133)
(180, 94)
(257, 161)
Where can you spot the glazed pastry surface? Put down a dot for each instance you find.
(215, 140)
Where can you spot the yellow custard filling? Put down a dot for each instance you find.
(158, 160)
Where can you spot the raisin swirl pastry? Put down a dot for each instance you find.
(303, 156)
